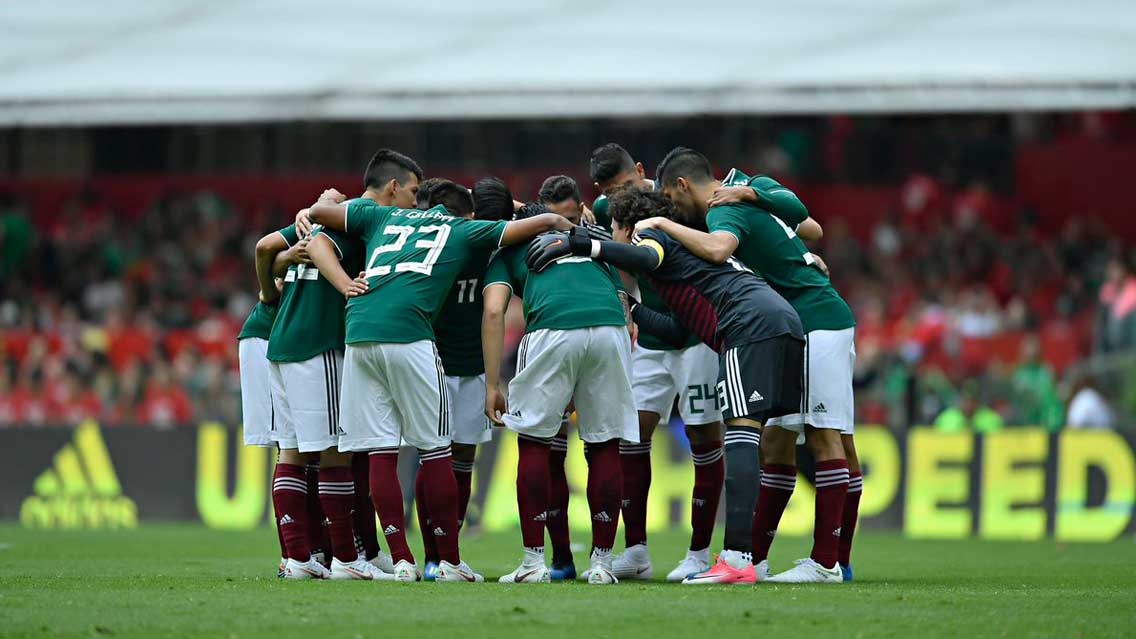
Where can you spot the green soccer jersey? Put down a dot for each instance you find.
(650, 299)
(458, 325)
(574, 292)
(413, 259)
(599, 209)
(259, 322)
(769, 245)
(309, 320)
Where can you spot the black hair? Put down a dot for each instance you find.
(453, 196)
(686, 163)
(558, 188)
(629, 206)
(609, 161)
(387, 165)
(492, 199)
(425, 187)
(531, 209)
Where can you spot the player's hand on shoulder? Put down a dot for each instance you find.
(731, 194)
(358, 286)
(819, 263)
(332, 195)
(300, 251)
(587, 216)
(546, 249)
(495, 406)
(650, 223)
(304, 223)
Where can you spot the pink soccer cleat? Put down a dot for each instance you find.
(732, 567)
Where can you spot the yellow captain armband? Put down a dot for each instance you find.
(652, 244)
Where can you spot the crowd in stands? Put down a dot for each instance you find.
(969, 314)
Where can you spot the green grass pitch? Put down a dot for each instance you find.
(187, 581)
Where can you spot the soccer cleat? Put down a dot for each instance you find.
(694, 562)
(430, 573)
(808, 571)
(846, 571)
(531, 571)
(633, 563)
(383, 562)
(406, 571)
(563, 572)
(460, 572)
(732, 567)
(600, 571)
(310, 569)
(282, 569)
(358, 569)
(761, 570)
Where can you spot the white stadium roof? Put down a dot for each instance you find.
(132, 61)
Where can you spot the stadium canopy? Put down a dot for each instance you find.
(135, 61)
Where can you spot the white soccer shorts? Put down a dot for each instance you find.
(830, 357)
(256, 392)
(591, 364)
(392, 393)
(467, 409)
(305, 399)
(691, 373)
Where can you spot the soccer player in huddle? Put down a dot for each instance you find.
(762, 233)
(305, 347)
(757, 335)
(576, 346)
(393, 379)
(660, 373)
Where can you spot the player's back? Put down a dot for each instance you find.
(412, 259)
(574, 292)
(457, 327)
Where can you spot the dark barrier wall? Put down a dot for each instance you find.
(1022, 483)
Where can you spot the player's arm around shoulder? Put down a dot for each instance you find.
(518, 231)
(326, 255)
(495, 302)
(716, 246)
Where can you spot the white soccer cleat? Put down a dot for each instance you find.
(383, 562)
(761, 570)
(406, 571)
(600, 572)
(310, 569)
(282, 569)
(460, 572)
(633, 563)
(695, 561)
(808, 571)
(531, 571)
(358, 569)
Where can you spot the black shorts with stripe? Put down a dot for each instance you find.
(762, 379)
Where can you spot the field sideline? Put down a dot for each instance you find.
(185, 580)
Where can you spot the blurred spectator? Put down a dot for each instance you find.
(1035, 397)
(1088, 408)
(1117, 321)
(969, 414)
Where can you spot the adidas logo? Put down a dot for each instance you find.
(80, 489)
(602, 516)
(819, 408)
(755, 397)
(541, 517)
(698, 502)
(390, 530)
(438, 532)
(287, 519)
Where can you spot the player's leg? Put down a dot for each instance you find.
(370, 423)
(563, 567)
(697, 374)
(851, 506)
(256, 407)
(547, 361)
(605, 415)
(778, 481)
(415, 375)
(363, 514)
(471, 428)
(826, 415)
(429, 545)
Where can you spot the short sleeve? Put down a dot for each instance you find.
(600, 210)
(784, 203)
(362, 216)
(289, 234)
(731, 219)
(484, 234)
(498, 270)
(347, 248)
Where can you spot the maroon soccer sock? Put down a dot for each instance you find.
(276, 513)
(364, 512)
(429, 545)
(532, 489)
(709, 475)
(604, 488)
(558, 502)
(463, 475)
(317, 530)
(337, 495)
(851, 514)
(635, 465)
(386, 495)
(777, 484)
(441, 491)
(831, 490)
(290, 500)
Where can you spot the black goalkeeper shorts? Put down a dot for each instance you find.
(762, 379)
